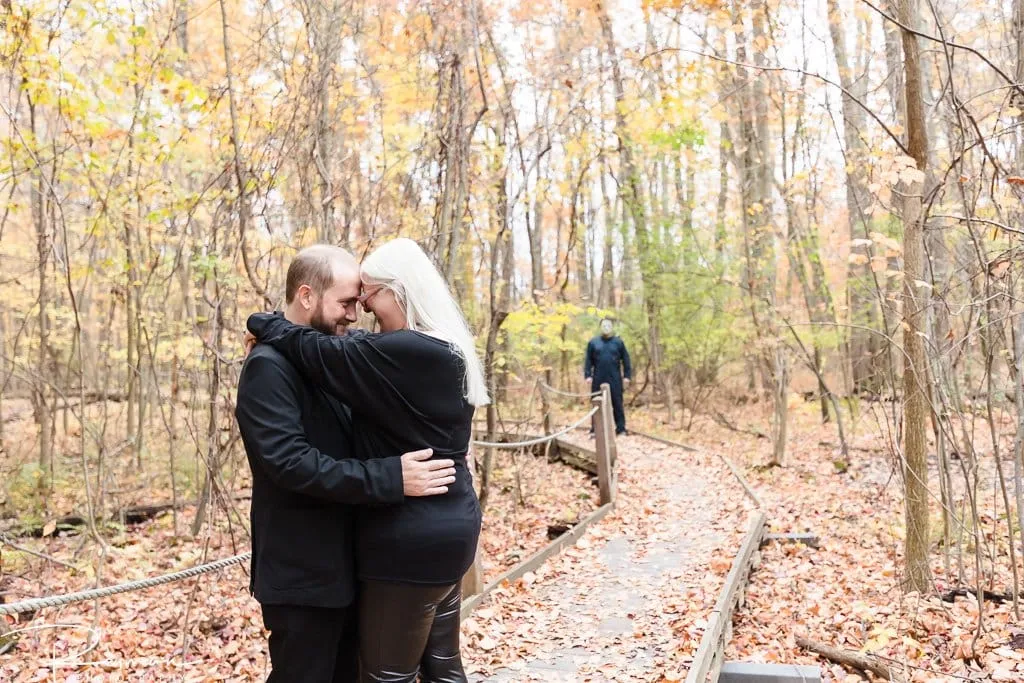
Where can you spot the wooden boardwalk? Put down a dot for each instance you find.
(631, 600)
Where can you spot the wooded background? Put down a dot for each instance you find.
(769, 196)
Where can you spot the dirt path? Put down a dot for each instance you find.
(628, 602)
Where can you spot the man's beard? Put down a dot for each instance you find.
(321, 324)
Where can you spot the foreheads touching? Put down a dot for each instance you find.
(322, 288)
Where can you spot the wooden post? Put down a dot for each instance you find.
(613, 448)
(473, 581)
(545, 406)
(603, 443)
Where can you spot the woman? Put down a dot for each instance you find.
(413, 385)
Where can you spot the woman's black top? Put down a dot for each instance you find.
(406, 392)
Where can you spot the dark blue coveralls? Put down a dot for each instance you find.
(604, 356)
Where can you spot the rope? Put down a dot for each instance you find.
(96, 593)
(107, 591)
(566, 393)
(532, 442)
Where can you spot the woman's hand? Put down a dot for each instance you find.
(257, 321)
(249, 342)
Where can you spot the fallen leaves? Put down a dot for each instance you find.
(629, 602)
(618, 604)
(847, 593)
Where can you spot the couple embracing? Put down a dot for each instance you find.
(364, 517)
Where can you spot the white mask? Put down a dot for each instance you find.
(606, 327)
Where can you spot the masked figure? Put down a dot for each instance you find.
(607, 362)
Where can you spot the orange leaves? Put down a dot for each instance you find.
(674, 5)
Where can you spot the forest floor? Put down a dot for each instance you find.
(846, 593)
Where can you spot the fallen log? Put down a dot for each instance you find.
(134, 514)
(137, 514)
(991, 596)
(850, 658)
(721, 419)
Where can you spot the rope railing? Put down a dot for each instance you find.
(105, 592)
(567, 393)
(538, 440)
(35, 604)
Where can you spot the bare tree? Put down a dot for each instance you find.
(915, 299)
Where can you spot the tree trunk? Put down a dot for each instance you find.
(453, 151)
(213, 450)
(240, 169)
(1018, 347)
(181, 27)
(896, 84)
(133, 299)
(324, 27)
(724, 145)
(633, 199)
(41, 394)
(756, 170)
(499, 291)
(915, 298)
(1018, 440)
(133, 378)
(606, 293)
(535, 233)
(866, 366)
(581, 250)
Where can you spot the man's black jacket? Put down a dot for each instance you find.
(304, 479)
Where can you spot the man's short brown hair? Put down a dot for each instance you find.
(313, 266)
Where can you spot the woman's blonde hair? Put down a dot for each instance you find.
(403, 267)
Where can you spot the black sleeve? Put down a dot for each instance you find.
(269, 417)
(588, 360)
(352, 367)
(627, 367)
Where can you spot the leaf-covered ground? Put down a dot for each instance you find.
(210, 629)
(628, 603)
(847, 593)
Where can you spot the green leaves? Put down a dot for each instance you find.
(539, 335)
(678, 137)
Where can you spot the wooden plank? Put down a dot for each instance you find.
(708, 659)
(579, 457)
(609, 421)
(603, 440)
(537, 559)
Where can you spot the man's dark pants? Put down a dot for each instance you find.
(617, 409)
(320, 642)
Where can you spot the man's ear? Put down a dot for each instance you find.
(306, 297)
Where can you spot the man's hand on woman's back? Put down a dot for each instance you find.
(424, 477)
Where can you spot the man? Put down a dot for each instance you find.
(299, 444)
(605, 354)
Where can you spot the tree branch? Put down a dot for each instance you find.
(853, 98)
